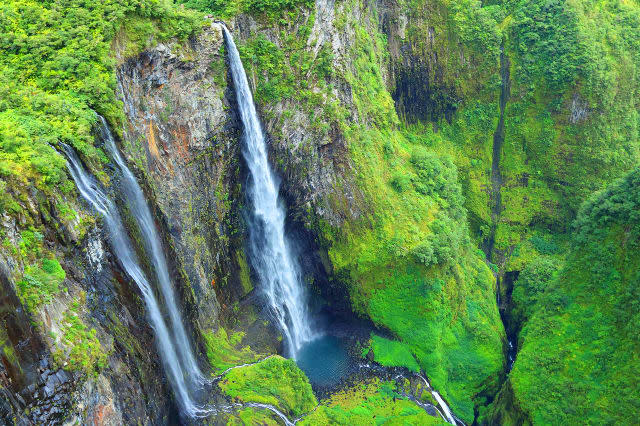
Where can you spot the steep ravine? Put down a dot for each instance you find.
(503, 286)
(496, 173)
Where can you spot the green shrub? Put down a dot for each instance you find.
(425, 254)
(81, 348)
(276, 381)
(40, 283)
(400, 182)
(392, 353)
(438, 178)
(529, 287)
(223, 351)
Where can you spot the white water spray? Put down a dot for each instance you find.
(123, 249)
(447, 412)
(142, 215)
(277, 268)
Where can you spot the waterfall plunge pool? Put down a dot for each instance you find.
(326, 361)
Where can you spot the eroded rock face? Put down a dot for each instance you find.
(182, 138)
(38, 384)
(312, 163)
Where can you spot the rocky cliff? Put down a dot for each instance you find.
(75, 347)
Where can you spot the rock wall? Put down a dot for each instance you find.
(182, 137)
(40, 379)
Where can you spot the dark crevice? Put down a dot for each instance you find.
(503, 296)
(498, 140)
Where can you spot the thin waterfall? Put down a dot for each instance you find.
(123, 249)
(271, 253)
(142, 214)
(445, 408)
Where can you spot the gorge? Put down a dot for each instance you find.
(319, 212)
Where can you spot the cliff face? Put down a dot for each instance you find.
(319, 77)
(53, 342)
(380, 118)
(182, 136)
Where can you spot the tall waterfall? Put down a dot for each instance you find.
(271, 254)
(142, 214)
(123, 249)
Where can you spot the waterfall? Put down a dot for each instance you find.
(142, 214)
(271, 253)
(445, 408)
(123, 249)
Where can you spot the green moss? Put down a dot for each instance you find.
(123, 336)
(7, 350)
(276, 381)
(223, 351)
(372, 402)
(80, 348)
(578, 350)
(40, 283)
(253, 417)
(392, 353)
(245, 278)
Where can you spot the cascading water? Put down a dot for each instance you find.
(123, 249)
(142, 214)
(272, 258)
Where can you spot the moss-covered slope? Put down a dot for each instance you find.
(578, 357)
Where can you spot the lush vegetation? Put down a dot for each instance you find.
(276, 381)
(41, 282)
(79, 348)
(223, 350)
(578, 352)
(391, 353)
(271, 9)
(424, 197)
(372, 402)
(42, 275)
(529, 287)
(408, 260)
(56, 72)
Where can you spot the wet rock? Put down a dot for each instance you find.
(178, 112)
(52, 381)
(62, 376)
(20, 399)
(48, 390)
(579, 109)
(158, 80)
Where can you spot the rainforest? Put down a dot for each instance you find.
(319, 212)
